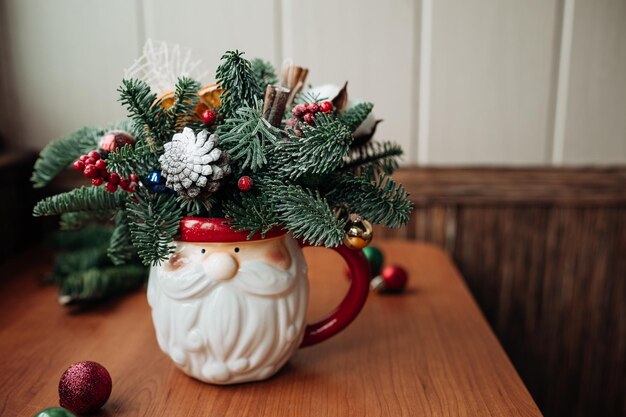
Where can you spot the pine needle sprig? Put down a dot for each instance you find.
(146, 114)
(264, 72)
(136, 159)
(251, 212)
(376, 197)
(307, 215)
(57, 155)
(183, 109)
(380, 156)
(354, 116)
(320, 151)
(80, 199)
(238, 82)
(153, 220)
(245, 137)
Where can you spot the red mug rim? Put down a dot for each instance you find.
(215, 230)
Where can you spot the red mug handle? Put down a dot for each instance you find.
(351, 304)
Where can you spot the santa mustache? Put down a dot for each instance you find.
(253, 277)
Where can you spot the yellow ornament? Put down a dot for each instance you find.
(359, 232)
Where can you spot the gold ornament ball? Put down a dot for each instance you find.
(359, 232)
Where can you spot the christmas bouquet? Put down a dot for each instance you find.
(261, 152)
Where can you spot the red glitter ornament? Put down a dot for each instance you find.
(326, 107)
(84, 387)
(245, 183)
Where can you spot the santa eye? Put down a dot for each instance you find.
(203, 251)
(236, 250)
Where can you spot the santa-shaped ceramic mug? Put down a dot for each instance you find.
(228, 309)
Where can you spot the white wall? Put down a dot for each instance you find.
(456, 81)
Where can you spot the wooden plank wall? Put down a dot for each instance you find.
(543, 251)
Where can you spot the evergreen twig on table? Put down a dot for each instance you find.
(76, 220)
(80, 199)
(121, 249)
(95, 283)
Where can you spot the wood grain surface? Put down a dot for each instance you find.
(428, 352)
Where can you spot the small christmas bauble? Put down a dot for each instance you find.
(245, 183)
(208, 117)
(359, 232)
(115, 139)
(156, 182)
(84, 387)
(375, 258)
(394, 277)
(55, 412)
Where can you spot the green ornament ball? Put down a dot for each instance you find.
(375, 258)
(55, 412)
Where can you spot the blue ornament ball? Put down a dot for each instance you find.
(156, 182)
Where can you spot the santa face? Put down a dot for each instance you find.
(230, 312)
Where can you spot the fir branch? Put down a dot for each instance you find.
(87, 257)
(139, 159)
(380, 156)
(139, 101)
(195, 207)
(80, 199)
(58, 154)
(251, 212)
(245, 135)
(78, 219)
(183, 109)
(264, 72)
(320, 151)
(91, 235)
(353, 117)
(96, 283)
(120, 249)
(153, 221)
(238, 82)
(307, 215)
(376, 197)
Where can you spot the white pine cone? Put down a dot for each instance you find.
(192, 165)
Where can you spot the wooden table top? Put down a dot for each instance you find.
(428, 352)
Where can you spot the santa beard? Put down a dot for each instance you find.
(239, 330)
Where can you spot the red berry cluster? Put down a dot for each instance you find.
(93, 166)
(305, 112)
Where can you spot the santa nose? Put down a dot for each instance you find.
(221, 266)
